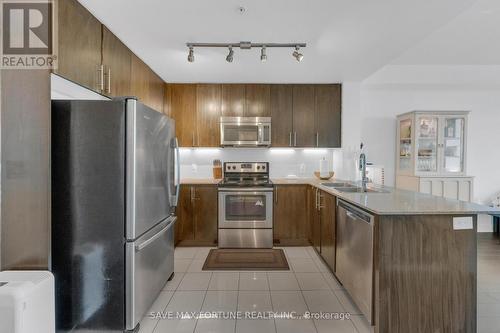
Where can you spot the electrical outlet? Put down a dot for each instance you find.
(194, 168)
(463, 223)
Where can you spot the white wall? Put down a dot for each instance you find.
(399, 89)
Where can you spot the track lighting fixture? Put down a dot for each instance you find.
(230, 55)
(247, 46)
(297, 55)
(191, 54)
(263, 56)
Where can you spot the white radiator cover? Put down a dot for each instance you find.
(27, 302)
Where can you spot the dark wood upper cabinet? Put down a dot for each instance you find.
(146, 85)
(116, 58)
(79, 43)
(167, 100)
(304, 116)
(183, 111)
(328, 115)
(290, 215)
(208, 102)
(281, 115)
(328, 226)
(258, 100)
(233, 100)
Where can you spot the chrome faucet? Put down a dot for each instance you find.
(362, 168)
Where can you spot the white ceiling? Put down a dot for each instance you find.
(472, 38)
(347, 40)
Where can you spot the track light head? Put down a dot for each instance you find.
(230, 55)
(263, 56)
(297, 55)
(191, 54)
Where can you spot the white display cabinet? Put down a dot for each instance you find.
(432, 147)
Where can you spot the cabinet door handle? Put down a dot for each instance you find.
(295, 139)
(320, 206)
(191, 190)
(100, 80)
(290, 139)
(276, 195)
(108, 90)
(316, 199)
(192, 139)
(317, 139)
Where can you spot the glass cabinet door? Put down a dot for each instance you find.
(405, 149)
(427, 143)
(453, 144)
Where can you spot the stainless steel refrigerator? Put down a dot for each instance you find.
(115, 185)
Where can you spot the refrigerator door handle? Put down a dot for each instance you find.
(178, 171)
(150, 240)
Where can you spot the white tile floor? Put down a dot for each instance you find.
(308, 286)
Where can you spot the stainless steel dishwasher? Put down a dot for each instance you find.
(354, 261)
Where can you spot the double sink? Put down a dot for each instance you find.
(352, 188)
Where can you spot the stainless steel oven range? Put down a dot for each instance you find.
(246, 206)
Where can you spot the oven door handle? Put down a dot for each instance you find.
(245, 190)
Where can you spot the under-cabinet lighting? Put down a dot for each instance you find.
(316, 150)
(282, 150)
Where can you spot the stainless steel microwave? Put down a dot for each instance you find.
(245, 131)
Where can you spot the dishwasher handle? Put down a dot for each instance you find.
(355, 213)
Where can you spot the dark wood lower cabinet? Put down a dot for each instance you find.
(197, 216)
(314, 219)
(290, 215)
(328, 227)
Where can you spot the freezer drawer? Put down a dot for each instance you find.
(149, 264)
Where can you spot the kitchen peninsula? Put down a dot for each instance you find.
(418, 252)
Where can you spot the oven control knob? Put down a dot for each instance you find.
(258, 167)
(263, 167)
(234, 167)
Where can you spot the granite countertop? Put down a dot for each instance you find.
(392, 202)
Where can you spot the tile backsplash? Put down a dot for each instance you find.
(295, 162)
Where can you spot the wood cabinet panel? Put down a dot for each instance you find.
(208, 112)
(328, 228)
(282, 115)
(146, 85)
(205, 214)
(233, 100)
(328, 115)
(156, 91)
(315, 220)
(167, 99)
(184, 227)
(304, 115)
(413, 253)
(197, 216)
(290, 215)
(116, 58)
(79, 43)
(183, 109)
(257, 100)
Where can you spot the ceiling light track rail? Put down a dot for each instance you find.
(247, 46)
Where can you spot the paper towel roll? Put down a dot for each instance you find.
(323, 168)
